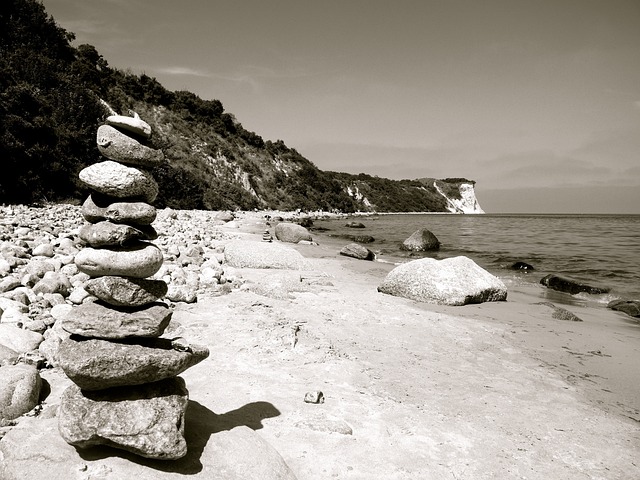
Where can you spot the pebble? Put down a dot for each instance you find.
(314, 397)
(19, 339)
(19, 390)
(40, 282)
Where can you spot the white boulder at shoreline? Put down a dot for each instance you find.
(452, 281)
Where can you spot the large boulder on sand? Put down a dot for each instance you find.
(245, 254)
(452, 281)
(224, 216)
(421, 241)
(292, 233)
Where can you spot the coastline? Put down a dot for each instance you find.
(493, 390)
(598, 355)
(586, 366)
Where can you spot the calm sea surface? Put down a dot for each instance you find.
(600, 249)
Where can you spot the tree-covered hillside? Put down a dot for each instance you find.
(53, 97)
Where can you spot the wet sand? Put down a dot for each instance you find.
(494, 390)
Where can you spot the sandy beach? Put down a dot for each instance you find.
(495, 390)
(412, 391)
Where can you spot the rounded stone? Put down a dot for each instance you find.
(19, 390)
(43, 250)
(18, 339)
(117, 146)
(107, 234)
(139, 261)
(117, 180)
(292, 233)
(421, 241)
(355, 250)
(452, 281)
(8, 356)
(96, 208)
(245, 254)
(126, 291)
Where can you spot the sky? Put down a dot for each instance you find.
(538, 101)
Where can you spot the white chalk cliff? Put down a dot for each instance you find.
(467, 203)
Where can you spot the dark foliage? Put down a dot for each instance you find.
(53, 97)
(47, 116)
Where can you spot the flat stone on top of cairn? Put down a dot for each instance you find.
(133, 124)
(126, 394)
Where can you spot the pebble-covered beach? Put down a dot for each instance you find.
(398, 388)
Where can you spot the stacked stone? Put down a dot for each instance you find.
(127, 393)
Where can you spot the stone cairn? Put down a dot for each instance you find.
(126, 391)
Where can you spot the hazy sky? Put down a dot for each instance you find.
(538, 101)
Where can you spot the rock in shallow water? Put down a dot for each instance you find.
(630, 307)
(98, 321)
(147, 420)
(95, 364)
(452, 281)
(358, 251)
(421, 241)
(563, 283)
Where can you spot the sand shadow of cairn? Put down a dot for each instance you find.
(200, 424)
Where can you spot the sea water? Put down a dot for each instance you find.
(603, 250)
